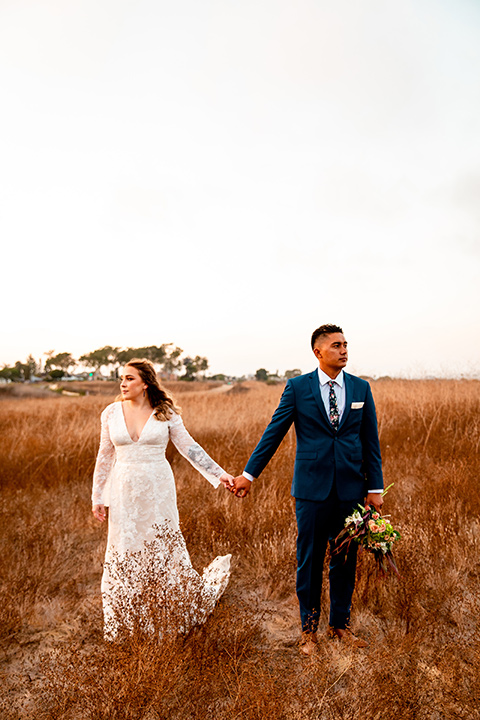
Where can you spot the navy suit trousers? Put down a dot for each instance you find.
(319, 523)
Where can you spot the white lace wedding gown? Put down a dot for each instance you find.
(148, 577)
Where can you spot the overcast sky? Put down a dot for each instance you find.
(227, 175)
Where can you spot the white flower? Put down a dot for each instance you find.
(354, 518)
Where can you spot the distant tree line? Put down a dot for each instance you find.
(20, 371)
(167, 358)
(263, 375)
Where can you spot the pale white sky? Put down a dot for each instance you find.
(227, 175)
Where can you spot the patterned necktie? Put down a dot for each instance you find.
(334, 416)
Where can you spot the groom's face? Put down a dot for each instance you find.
(332, 353)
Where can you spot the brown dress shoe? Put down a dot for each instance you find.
(308, 643)
(346, 636)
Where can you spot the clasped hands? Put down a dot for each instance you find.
(239, 486)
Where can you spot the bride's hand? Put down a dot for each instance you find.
(227, 481)
(99, 512)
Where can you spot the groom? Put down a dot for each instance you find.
(337, 465)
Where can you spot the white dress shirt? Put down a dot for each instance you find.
(339, 389)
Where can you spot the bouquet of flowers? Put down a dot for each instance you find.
(373, 532)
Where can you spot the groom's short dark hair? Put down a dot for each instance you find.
(325, 330)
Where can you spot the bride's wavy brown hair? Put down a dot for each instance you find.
(161, 401)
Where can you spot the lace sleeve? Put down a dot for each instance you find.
(105, 460)
(192, 451)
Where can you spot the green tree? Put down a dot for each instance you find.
(292, 373)
(261, 375)
(103, 357)
(193, 366)
(29, 367)
(123, 356)
(56, 374)
(172, 362)
(155, 353)
(62, 361)
(12, 373)
(20, 369)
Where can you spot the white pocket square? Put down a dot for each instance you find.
(357, 405)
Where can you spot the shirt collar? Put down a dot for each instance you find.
(324, 378)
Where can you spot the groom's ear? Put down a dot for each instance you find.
(317, 352)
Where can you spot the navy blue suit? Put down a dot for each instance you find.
(334, 469)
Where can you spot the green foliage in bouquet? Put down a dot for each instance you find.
(373, 532)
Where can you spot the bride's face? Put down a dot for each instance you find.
(131, 385)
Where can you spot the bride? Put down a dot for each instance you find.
(147, 572)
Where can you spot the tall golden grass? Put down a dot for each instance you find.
(424, 650)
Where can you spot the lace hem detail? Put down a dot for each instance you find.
(156, 589)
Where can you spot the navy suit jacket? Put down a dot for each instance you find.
(349, 456)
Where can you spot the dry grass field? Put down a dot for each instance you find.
(424, 653)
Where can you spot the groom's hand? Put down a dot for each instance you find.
(374, 499)
(242, 486)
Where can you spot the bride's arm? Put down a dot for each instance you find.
(103, 466)
(196, 455)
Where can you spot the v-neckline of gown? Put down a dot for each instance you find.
(126, 426)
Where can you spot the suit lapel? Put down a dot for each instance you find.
(348, 397)
(315, 387)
